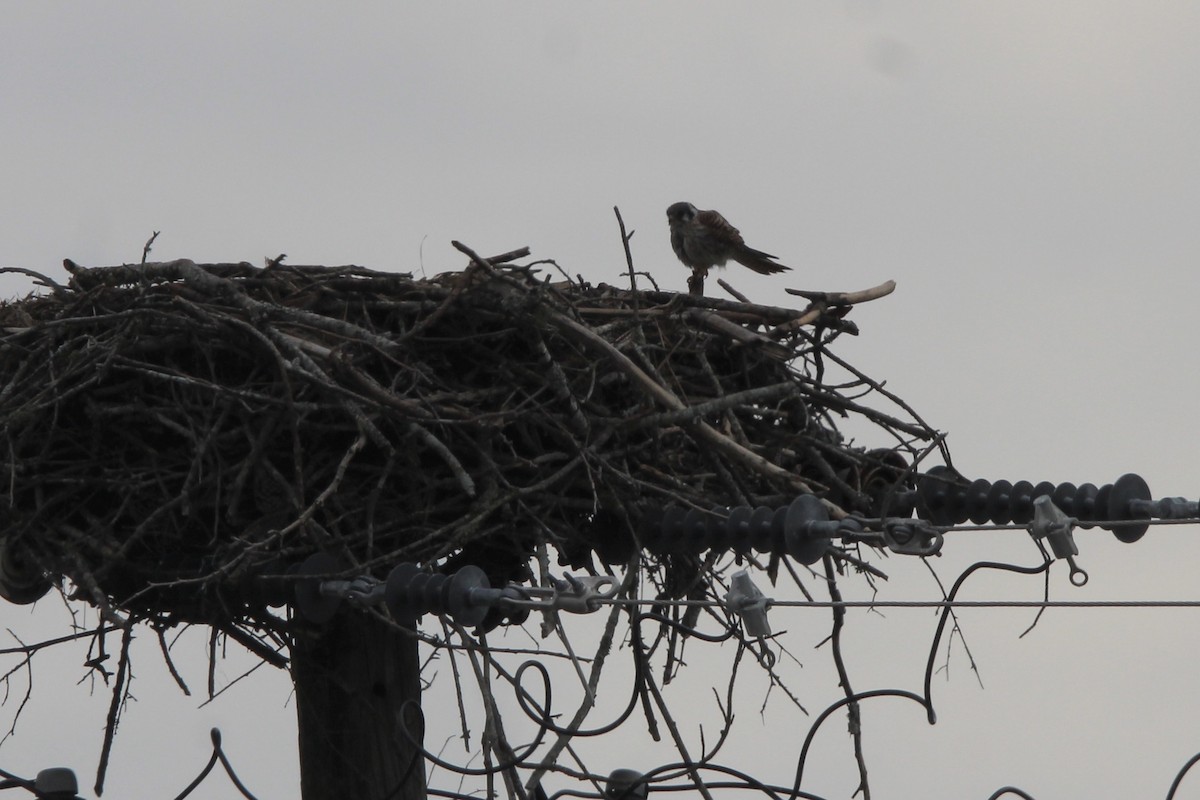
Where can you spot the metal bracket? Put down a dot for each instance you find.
(360, 592)
(911, 537)
(746, 601)
(573, 595)
(465, 595)
(1053, 525)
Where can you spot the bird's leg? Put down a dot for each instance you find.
(696, 281)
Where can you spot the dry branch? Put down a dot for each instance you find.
(174, 429)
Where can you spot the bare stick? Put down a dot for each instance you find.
(589, 699)
(625, 237)
(663, 395)
(853, 713)
(146, 247)
(740, 297)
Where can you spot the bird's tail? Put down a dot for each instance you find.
(760, 262)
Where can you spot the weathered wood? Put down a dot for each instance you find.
(352, 679)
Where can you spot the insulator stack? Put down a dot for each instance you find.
(801, 529)
(465, 596)
(409, 591)
(945, 498)
(22, 581)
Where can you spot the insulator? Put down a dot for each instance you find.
(806, 541)
(412, 592)
(738, 524)
(945, 498)
(1085, 504)
(700, 532)
(609, 535)
(1020, 503)
(762, 534)
(21, 580)
(941, 498)
(998, 506)
(625, 784)
(1126, 501)
(801, 529)
(976, 501)
(1063, 497)
(670, 535)
(56, 782)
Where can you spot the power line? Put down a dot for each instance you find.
(1101, 524)
(917, 603)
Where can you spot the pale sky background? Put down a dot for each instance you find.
(1026, 171)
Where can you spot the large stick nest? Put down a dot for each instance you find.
(170, 430)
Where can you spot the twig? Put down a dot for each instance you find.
(853, 714)
(665, 397)
(680, 745)
(593, 681)
(625, 237)
(146, 247)
(166, 654)
(748, 397)
(823, 301)
(720, 324)
(119, 693)
(741, 298)
(236, 419)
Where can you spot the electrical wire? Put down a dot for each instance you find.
(1104, 525)
(911, 604)
(541, 713)
(218, 754)
(1180, 775)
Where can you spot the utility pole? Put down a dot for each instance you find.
(358, 694)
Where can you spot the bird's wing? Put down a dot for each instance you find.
(719, 226)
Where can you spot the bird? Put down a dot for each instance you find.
(705, 239)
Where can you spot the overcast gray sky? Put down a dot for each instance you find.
(1026, 171)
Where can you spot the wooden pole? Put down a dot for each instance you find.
(352, 677)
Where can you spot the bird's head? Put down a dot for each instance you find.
(680, 213)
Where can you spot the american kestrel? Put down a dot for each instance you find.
(705, 239)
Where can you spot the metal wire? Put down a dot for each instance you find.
(921, 603)
(1102, 525)
(218, 755)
